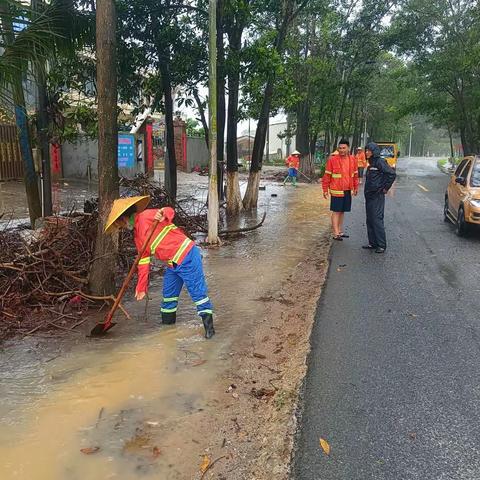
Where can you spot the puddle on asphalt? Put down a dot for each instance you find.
(133, 400)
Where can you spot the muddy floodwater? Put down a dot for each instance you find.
(132, 405)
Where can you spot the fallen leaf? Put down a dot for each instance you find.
(259, 355)
(156, 452)
(197, 363)
(325, 446)
(413, 436)
(205, 464)
(90, 450)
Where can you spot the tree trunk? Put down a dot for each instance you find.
(303, 137)
(42, 125)
(250, 199)
(452, 153)
(102, 274)
(203, 118)
(234, 198)
(29, 175)
(171, 162)
(213, 180)
(221, 105)
(313, 144)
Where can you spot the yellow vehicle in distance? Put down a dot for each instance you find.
(390, 152)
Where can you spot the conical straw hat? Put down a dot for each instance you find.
(121, 205)
(296, 152)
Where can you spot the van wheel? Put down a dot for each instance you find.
(445, 211)
(461, 226)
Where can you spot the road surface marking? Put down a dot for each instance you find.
(423, 188)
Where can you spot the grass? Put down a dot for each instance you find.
(446, 164)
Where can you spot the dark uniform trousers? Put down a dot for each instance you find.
(375, 206)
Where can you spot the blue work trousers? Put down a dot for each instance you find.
(190, 273)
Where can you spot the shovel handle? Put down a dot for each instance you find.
(108, 318)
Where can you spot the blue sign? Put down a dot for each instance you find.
(126, 151)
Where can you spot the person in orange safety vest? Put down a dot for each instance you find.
(340, 181)
(361, 162)
(170, 245)
(293, 164)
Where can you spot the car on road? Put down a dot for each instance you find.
(390, 152)
(462, 198)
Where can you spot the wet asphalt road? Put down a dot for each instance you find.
(394, 375)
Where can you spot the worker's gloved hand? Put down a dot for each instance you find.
(159, 215)
(140, 295)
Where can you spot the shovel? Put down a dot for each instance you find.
(102, 328)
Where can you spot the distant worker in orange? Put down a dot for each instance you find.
(293, 164)
(362, 163)
(340, 181)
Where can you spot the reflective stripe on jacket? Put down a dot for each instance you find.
(168, 243)
(341, 174)
(293, 161)
(361, 160)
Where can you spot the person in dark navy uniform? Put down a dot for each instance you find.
(379, 179)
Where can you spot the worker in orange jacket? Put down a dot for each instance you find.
(340, 181)
(361, 162)
(293, 164)
(170, 245)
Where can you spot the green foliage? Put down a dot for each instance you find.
(442, 38)
(193, 128)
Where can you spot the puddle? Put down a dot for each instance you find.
(134, 402)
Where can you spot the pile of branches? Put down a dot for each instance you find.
(41, 274)
(190, 214)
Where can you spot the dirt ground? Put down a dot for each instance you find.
(255, 424)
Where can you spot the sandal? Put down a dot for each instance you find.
(343, 235)
(338, 238)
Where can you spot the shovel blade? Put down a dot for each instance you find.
(100, 329)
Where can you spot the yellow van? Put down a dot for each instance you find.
(390, 152)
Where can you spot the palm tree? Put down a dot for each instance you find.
(28, 39)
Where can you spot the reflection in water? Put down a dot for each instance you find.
(132, 401)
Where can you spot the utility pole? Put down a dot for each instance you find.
(410, 144)
(268, 141)
(212, 85)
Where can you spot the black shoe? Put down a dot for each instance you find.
(344, 235)
(338, 238)
(379, 250)
(368, 247)
(208, 324)
(169, 318)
